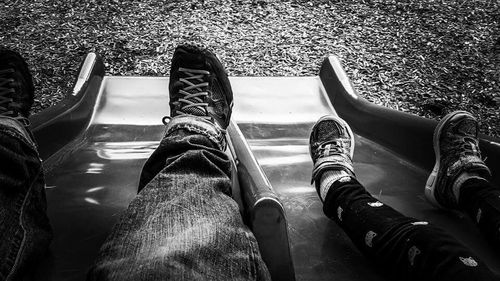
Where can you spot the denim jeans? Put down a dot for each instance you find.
(183, 224)
(24, 227)
(402, 247)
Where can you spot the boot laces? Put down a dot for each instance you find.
(193, 94)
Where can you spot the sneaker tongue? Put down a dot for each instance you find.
(194, 111)
(467, 127)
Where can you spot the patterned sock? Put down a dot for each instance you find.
(328, 178)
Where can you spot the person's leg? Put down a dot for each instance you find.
(481, 200)
(402, 247)
(459, 179)
(24, 227)
(183, 224)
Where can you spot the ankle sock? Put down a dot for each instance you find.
(328, 178)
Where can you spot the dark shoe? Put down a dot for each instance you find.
(331, 146)
(16, 87)
(456, 146)
(199, 86)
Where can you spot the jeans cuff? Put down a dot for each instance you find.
(16, 126)
(198, 125)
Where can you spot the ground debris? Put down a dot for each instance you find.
(426, 57)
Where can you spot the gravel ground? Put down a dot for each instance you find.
(426, 57)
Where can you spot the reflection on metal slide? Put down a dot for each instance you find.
(95, 142)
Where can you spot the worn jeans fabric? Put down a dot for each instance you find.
(24, 227)
(481, 200)
(183, 225)
(402, 247)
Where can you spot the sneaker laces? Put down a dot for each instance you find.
(8, 107)
(468, 146)
(193, 94)
(463, 147)
(331, 147)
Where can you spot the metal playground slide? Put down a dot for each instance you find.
(95, 142)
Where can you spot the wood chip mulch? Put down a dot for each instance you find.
(425, 57)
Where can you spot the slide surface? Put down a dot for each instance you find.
(93, 176)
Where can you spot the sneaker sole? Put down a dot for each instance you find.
(341, 122)
(430, 185)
